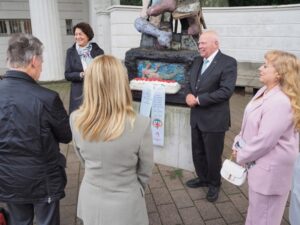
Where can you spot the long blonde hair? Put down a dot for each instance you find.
(107, 100)
(288, 68)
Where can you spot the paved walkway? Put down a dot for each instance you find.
(169, 200)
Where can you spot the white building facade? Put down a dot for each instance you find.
(49, 20)
(246, 32)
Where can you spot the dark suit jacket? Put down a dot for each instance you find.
(213, 88)
(73, 69)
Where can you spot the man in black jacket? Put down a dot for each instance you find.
(210, 85)
(33, 123)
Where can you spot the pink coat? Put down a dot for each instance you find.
(270, 140)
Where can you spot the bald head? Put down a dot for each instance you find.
(208, 43)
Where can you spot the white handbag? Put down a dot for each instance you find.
(233, 172)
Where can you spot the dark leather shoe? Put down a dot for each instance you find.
(212, 194)
(195, 183)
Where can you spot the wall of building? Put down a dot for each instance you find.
(116, 30)
(246, 32)
(77, 10)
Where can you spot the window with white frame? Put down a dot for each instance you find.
(11, 26)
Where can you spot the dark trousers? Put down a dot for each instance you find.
(207, 149)
(23, 214)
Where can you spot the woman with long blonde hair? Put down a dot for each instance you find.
(268, 143)
(115, 145)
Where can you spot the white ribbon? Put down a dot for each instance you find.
(153, 99)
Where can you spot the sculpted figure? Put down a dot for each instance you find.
(150, 25)
(187, 11)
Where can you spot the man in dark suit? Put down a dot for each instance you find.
(210, 85)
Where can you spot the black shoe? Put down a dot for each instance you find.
(212, 194)
(195, 183)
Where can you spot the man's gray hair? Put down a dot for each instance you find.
(21, 49)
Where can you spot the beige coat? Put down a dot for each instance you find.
(116, 174)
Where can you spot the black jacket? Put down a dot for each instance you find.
(33, 122)
(213, 89)
(73, 69)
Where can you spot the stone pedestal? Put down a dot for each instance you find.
(177, 151)
(46, 26)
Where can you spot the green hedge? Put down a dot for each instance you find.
(231, 2)
(261, 2)
(131, 2)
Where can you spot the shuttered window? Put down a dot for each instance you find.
(11, 26)
(69, 27)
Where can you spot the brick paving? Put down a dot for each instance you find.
(169, 200)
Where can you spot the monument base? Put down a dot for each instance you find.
(177, 151)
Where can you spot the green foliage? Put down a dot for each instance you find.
(131, 2)
(261, 2)
(213, 3)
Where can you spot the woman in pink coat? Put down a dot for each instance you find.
(268, 143)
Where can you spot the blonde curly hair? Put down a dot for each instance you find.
(287, 66)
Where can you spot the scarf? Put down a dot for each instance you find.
(85, 54)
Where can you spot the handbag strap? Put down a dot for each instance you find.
(231, 159)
